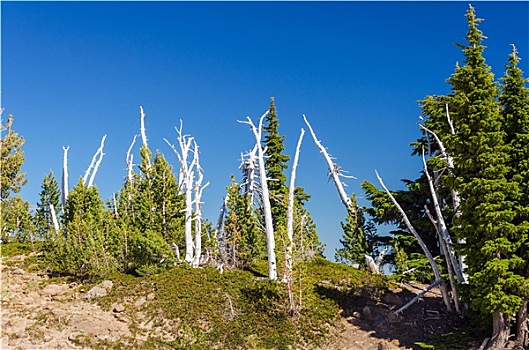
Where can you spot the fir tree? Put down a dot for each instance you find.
(481, 170)
(275, 165)
(515, 101)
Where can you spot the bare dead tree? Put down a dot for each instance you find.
(130, 160)
(423, 246)
(198, 189)
(334, 171)
(185, 183)
(64, 192)
(270, 239)
(290, 219)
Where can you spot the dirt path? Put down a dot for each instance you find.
(38, 315)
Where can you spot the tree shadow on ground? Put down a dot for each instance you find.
(374, 311)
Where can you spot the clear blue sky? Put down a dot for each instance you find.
(74, 71)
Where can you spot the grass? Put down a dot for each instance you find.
(239, 309)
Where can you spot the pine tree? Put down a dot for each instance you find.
(149, 214)
(11, 176)
(515, 101)
(357, 239)
(487, 208)
(87, 244)
(50, 194)
(15, 218)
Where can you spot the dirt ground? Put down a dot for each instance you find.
(60, 317)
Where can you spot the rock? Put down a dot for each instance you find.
(150, 296)
(53, 289)
(140, 302)
(107, 284)
(118, 308)
(96, 292)
(74, 335)
(19, 272)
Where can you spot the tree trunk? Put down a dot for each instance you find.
(64, 192)
(290, 212)
(522, 325)
(267, 209)
(500, 331)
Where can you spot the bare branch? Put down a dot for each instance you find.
(333, 170)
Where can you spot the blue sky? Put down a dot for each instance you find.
(75, 71)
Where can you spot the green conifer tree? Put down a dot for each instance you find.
(486, 223)
(245, 243)
(515, 101)
(86, 246)
(15, 218)
(50, 194)
(357, 239)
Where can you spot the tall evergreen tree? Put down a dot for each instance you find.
(515, 101)
(481, 177)
(275, 165)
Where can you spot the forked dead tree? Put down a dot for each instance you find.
(94, 165)
(185, 183)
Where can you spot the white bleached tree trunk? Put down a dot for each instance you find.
(290, 210)
(130, 160)
(98, 162)
(423, 246)
(267, 209)
(459, 266)
(334, 171)
(198, 189)
(64, 192)
(185, 183)
(54, 218)
(444, 238)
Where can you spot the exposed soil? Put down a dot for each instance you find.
(35, 315)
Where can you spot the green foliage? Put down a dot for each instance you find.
(413, 200)
(244, 240)
(358, 239)
(12, 159)
(150, 215)
(275, 165)
(86, 246)
(50, 194)
(15, 220)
